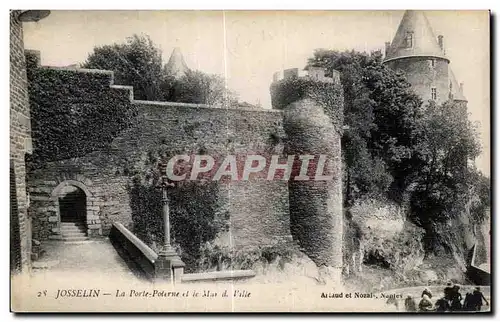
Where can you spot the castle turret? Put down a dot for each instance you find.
(457, 93)
(456, 89)
(176, 65)
(417, 52)
(312, 133)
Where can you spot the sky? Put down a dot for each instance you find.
(247, 47)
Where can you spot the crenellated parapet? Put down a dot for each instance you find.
(309, 73)
(292, 85)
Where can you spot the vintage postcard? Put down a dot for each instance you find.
(250, 161)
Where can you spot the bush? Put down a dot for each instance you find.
(197, 215)
(218, 258)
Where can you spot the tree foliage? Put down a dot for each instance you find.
(396, 147)
(445, 185)
(380, 111)
(198, 87)
(198, 209)
(138, 62)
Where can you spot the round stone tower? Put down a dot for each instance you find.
(312, 119)
(417, 52)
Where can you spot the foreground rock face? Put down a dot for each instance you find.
(384, 237)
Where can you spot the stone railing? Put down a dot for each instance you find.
(145, 261)
(217, 276)
(141, 255)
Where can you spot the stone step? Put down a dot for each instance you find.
(72, 224)
(73, 231)
(79, 238)
(69, 238)
(73, 228)
(72, 219)
(73, 234)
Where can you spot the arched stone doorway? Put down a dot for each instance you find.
(72, 205)
(73, 213)
(77, 218)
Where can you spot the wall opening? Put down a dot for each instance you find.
(73, 205)
(433, 94)
(76, 216)
(409, 39)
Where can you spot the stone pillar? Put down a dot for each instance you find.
(178, 269)
(163, 269)
(169, 268)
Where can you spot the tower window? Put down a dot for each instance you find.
(409, 39)
(432, 63)
(433, 93)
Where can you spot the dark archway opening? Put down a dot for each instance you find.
(73, 205)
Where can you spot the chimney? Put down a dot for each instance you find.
(387, 47)
(440, 42)
(462, 88)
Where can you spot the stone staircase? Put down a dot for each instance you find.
(73, 231)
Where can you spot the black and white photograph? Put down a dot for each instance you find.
(250, 161)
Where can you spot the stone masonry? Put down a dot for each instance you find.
(20, 144)
(316, 217)
(258, 209)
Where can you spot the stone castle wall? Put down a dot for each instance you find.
(20, 144)
(259, 210)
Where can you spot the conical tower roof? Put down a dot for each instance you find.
(176, 65)
(414, 38)
(456, 91)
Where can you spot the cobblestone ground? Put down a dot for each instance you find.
(98, 257)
